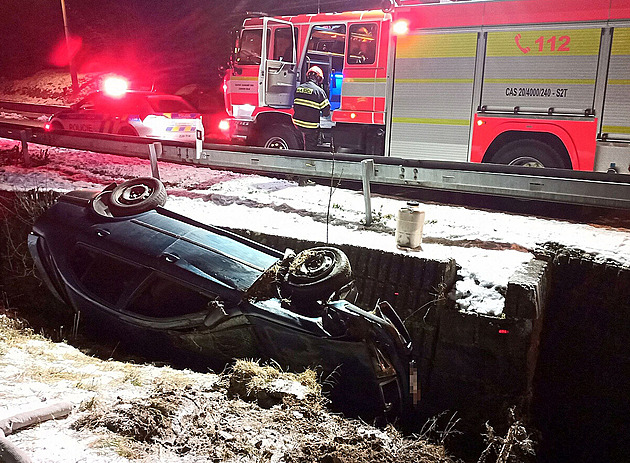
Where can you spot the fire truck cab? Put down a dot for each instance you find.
(520, 82)
(270, 60)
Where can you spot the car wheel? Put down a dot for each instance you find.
(317, 273)
(56, 127)
(136, 196)
(281, 137)
(529, 153)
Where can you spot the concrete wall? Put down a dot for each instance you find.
(582, 385)
(479, 365)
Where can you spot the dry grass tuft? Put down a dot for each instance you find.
(267, 385)
(126, 447)
(14, 331)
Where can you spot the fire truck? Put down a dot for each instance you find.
(519, 82)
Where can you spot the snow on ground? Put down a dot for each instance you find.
(47, 87)
(37, 373)
(489, 246)
(21, 117)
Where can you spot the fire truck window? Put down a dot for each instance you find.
(329, 39)
(283, 45)
(362, 46)
(250, 47)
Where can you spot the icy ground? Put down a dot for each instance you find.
(489, 246)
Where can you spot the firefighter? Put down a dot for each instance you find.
(310, 101)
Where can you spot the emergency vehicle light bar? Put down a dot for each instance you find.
(115, 86)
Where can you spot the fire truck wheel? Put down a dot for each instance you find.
(529, 153)
(281, 137)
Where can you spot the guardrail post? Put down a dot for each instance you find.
(25, 136)
(155, 151)
(199, 135)
(367, 172)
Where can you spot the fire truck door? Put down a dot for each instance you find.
(278, 71)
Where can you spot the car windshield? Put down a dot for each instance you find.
(169, 104)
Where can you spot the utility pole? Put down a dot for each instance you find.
(73, 71)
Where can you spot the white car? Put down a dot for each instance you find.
(136, 113)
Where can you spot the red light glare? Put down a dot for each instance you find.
(504, 331)
(64, 51)
(224, 125)
(401, 27)
(47, 127)
(115, 86)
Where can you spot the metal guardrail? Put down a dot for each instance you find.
(31, 108)
(555, 185)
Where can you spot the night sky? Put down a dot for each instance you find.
(163, 43)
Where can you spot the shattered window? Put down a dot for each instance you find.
(163, 298)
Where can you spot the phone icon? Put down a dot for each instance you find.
(517, 39)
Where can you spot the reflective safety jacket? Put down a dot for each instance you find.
(310, 100)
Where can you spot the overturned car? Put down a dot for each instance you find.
(164, 282)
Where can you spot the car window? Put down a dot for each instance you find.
(103, 276)
(87, 103)
(169, 104)
(164, 298)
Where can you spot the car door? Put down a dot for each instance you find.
(278, 70)
(190, 319)
(85, 116)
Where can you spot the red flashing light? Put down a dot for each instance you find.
(47, 127)
(504, 331)
(115, 86)
(224, 125)
(401, 27)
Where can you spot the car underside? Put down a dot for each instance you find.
(167, 284)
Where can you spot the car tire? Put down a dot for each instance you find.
(529, 153)
(282, 137)
(56, 127)
(316, 274)
(136, 196)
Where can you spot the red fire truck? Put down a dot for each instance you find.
(520, 82)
